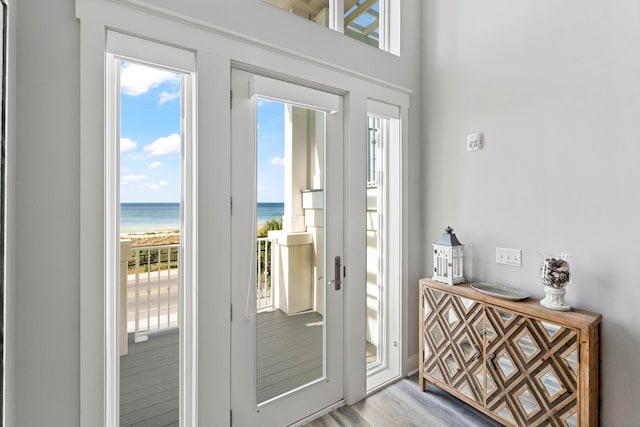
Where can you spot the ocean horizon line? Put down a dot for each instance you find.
(164, 217)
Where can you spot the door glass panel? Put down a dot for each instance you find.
(290, 248)
(150, 211)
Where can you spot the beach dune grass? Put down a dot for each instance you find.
(160, 238)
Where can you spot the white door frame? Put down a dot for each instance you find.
(328, 390)
(216, 50)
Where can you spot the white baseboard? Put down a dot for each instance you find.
(411, 364)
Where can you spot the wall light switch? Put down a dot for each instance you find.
(509, 256)
(474, 141)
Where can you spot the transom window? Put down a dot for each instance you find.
(363, 20)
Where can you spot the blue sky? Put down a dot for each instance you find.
(270, 156)
(149, 135)
(150, 139)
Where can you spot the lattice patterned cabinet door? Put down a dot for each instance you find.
(532, 367)
(453, 343)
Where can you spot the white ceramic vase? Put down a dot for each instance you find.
(555, 275)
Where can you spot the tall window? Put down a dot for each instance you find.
(149, 225)
(383, 261)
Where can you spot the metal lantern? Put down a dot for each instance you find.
(448, 255)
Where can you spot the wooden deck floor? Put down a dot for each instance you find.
(149, 384)
(289, 352)
(289, 356)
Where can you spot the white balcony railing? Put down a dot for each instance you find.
(153, 290)
(264, 292)
(153, 287)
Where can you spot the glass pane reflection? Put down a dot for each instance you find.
(290, 248)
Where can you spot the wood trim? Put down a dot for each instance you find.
(575, 318)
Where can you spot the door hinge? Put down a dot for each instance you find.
(231, 205)
(344, 271)
(230, 417)
(231, 312)
(231, 99)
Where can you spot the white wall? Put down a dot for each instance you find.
(555, 87)
(10, 163)
(47, 209)
(47, 178)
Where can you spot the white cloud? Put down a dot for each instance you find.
(277, 161)
(127, 144)
(136, 79)
(166, 97)
(155, 165)
(131, 177)
(155, 186)
(165, 145)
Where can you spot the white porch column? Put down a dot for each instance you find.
(125, 256)
(292, 273)
(295, 167)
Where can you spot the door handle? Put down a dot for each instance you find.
(337, 282)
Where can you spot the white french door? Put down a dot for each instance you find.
(287, 287)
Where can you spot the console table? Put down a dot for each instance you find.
(516, 361)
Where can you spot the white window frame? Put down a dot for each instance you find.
(123, 47)
(388, 23)
(390, 203)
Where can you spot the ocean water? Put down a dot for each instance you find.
(146, 217)
(265, 211)
(143, 217)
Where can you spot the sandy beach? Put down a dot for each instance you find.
(152, 238)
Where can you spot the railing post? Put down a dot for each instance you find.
(125, 256)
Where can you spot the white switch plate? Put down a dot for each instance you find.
(509, 256)
(474, 141)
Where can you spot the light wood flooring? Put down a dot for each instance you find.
(403, 404)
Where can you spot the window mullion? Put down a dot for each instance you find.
(384, 26)
(336, 21)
